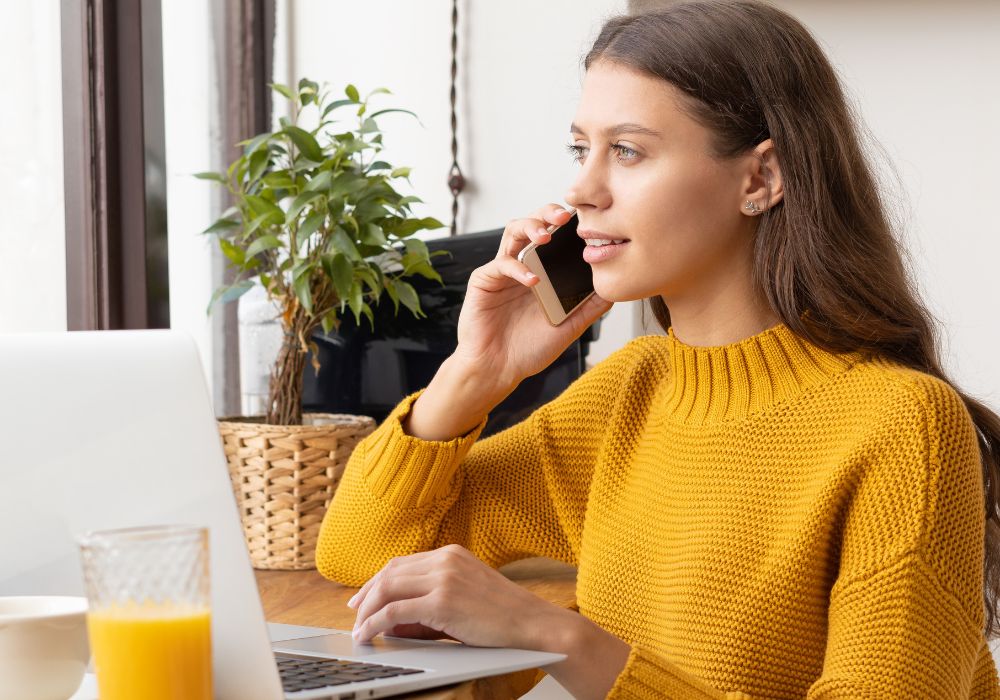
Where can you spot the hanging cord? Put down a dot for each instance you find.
(456, 181)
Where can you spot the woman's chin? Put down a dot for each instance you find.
(616, 291)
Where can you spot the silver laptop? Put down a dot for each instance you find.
(115, 429)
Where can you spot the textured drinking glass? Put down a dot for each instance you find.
(149, 617)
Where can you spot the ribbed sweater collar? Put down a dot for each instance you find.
(729, 382)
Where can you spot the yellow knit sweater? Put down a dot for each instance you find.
(759, 520)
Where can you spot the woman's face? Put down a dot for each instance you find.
(648, 176)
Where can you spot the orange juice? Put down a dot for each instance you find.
(152, 652)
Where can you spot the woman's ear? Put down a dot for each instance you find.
(763, 187)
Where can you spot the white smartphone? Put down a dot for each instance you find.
(565, 281)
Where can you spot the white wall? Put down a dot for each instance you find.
(190, 97)
(32, 237)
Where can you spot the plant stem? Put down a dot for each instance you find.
(285, 391)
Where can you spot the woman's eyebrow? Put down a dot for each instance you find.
(624, 128)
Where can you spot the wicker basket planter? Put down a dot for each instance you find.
(284, 477)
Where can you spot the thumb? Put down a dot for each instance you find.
(591, 310)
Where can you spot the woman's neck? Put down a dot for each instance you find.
(719, 324)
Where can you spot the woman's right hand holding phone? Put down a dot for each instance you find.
(503, 336)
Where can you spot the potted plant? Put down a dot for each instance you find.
(317, 224)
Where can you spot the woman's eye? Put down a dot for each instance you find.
(624, 152)
(577, 152)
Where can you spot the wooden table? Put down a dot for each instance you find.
(306, 598)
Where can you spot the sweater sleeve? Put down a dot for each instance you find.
(517, 494)
(906, 611)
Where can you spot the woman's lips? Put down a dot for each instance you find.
(596, 254)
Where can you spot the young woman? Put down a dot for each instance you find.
(783, 497)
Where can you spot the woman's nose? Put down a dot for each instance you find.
(589, 189)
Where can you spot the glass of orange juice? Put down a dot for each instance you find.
(149, 617)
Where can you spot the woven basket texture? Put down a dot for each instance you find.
(284, 477)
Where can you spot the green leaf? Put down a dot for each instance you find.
(222, 225)
(352, 93)
(368, 126)
(370, 278)
(303, 291)
(355, 300)
(408, 295)
(259, 205)
(306, 143)
(256, 224)
(369, 211)
(284, 90)
(341, 271)
(279, 181)
(379, 165)
(367, 312)
(329, 322)
(233, 292)
(308, 91)
(408, 227)
(253, 144)
(416, 247)
(258, 161)
(334, 105)
(234, 254)
(263, 243)
(311, 224)
(401, 172)
(320, 182)
(378, 91)
(390, 288)
(214, 177)
(335, 207)
(429, 222)
(342, 243)
(406, 201)
(347, 183)
(372, 234)
(386, 111)
(370, 251)
(424, 270)
(299, 203)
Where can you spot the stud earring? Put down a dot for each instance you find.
(751, 207)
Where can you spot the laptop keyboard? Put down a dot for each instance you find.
(306, 673)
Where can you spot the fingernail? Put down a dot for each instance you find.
(353, 601)
(528, 277)
(541, 232)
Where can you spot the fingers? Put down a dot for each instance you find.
(534, 229)
(410, 563)
(396, 564)
(387, 593)
(410, 611)
(591, 310)
(495, 275)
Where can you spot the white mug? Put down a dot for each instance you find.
(43, 646)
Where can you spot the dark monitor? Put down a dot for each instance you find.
(368, 373)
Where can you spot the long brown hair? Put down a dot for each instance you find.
(752, 72)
